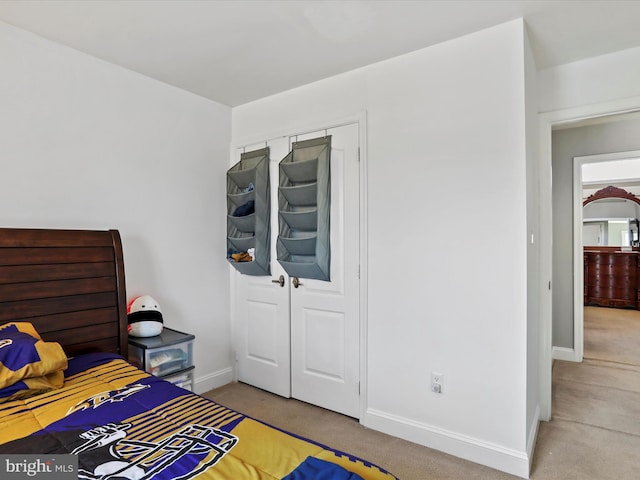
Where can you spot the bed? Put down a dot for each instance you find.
(66, 387)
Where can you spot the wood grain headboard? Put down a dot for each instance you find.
(69, 284)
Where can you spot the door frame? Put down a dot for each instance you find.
(547, 121)
(578, 264)
(360, 119)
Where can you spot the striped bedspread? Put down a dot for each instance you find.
(125, 423)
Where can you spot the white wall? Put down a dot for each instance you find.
(446, 145)
(606, 78)
(86, 144)
(534, 252)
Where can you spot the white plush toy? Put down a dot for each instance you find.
(144, 317)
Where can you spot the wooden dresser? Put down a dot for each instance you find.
(611, 277)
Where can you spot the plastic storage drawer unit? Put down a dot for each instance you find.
(182, 379)
(166, 354)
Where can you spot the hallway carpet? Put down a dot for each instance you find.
(612, 334)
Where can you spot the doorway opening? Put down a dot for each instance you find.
(557, 266)
(612, 217)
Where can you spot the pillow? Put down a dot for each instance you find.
(24, 355)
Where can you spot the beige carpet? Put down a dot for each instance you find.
(596, 404)
(594, 433)
(404, 459)
(612, 334)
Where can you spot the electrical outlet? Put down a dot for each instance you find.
(437, 382)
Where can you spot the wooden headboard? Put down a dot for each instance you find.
(69, 284)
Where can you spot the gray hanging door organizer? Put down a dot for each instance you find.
(248, 213)
(304, 204)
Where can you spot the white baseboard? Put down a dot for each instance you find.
(213, 380)
(533, 435)
(562, 353)
(495, 456)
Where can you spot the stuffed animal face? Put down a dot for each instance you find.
(144, 317)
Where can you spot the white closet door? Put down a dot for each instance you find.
(304, 342)
(262, 308)
(325, 346)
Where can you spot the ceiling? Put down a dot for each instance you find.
(236, 51)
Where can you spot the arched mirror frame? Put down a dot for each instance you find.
(611, 192)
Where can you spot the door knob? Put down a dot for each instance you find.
(280, 280)
(296, 282)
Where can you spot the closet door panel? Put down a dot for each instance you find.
(325, 315)
(261, 309)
